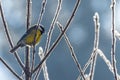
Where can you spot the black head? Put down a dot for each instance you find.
(42, 29)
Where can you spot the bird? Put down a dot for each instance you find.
(31, 37)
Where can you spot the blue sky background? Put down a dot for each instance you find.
(81, 35)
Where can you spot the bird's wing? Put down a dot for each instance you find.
(27, 33)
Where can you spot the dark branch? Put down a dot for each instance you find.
(28, 22)
(49, 35)
(9, 68)
(113, 40)
(72, 51)
(9, 38)
(60, 36)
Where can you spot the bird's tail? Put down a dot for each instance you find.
(15, 48)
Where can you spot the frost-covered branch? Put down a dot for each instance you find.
(44, 2)
(60, 36)
(113, 59)
(45, 72)
(96, 43)
(49, 35)
(9, 37)
(72, 51)
(117, 34)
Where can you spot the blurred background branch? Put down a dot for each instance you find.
(9, 38)
(10, 69)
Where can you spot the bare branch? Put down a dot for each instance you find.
(45, 72)
(37, 73)
(44, 2)
(101, 54)
(108, 63)
(49, 35)
(33, 58)
(113, 60)
(9, 68)
(72, 51)
(52, 26)
(96, 43)
(9, 38)
(117, 34)
(60, 36)
(27, 57)
(93, 56)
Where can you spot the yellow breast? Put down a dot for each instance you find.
(29, 40)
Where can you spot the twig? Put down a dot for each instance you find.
(52, 26)
(117, 34)
(60, 36)
(96, 43)
(72, 51)
(49, 35)
(92, 68)
(44, 2)
(101, 54)
(108, 63)
(93, 56)
(27, 57)
(87, 64)
(9, 38)
(45, 72)
(113, 60)
(41, 55)
(37, 73)
(97, 27)
(23, 75)
(9, 68)
(33, 58)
